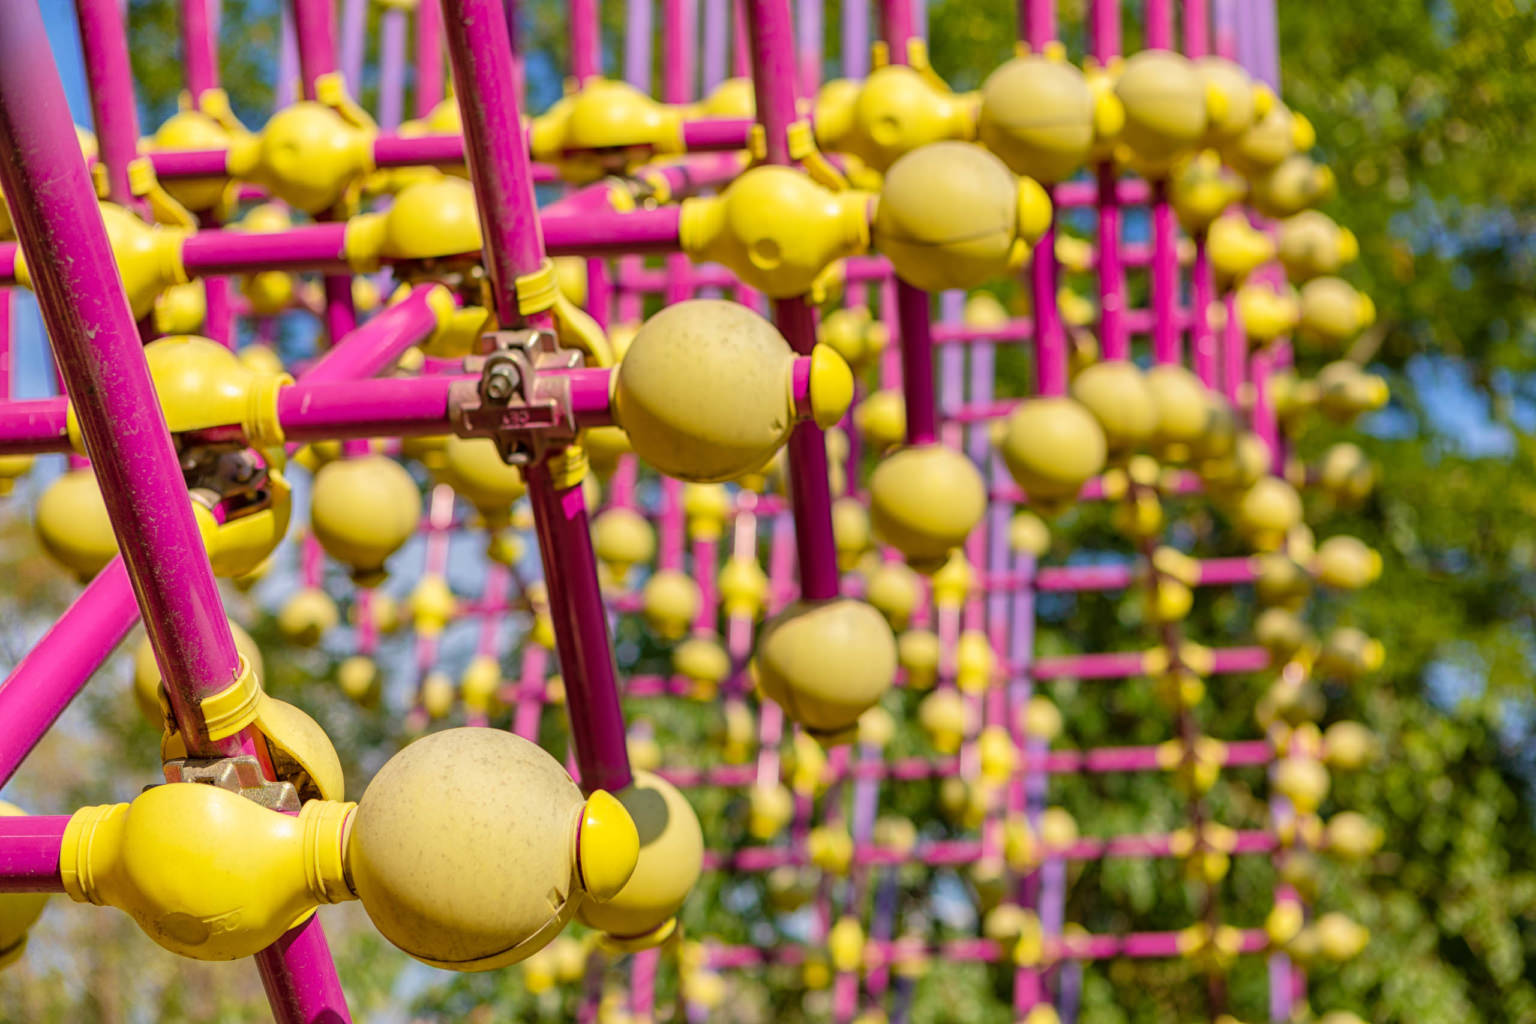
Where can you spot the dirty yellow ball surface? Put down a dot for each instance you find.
(72, 524)
(704, 390)
(1037, 115)
(462, 849)
(902, 506)
(826, 662)
(362, 511)
(1052, 446)
(1117, 395)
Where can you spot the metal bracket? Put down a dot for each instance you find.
(240, 775)
(517, 402)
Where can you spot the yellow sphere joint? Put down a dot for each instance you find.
(193, 129)
(465, 849)
(705, 391)
(743, 588)
(670, 856)
(72, 524)
(898, 109)
(308, 155)
(18, 911)
(362, 511)
(1037, 115)
(475, 470)
(951, 215)
(1166, 113)
(202, 384)
(776, 229)
(429, 220)
(205, 872)
(903, 513)
(606, 127)
(826, 663)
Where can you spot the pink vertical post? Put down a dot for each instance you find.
(1166, 344)
(429, 57)
(314, 26)
(200, 46)
(102, 362)
(391, 67)
(810, 29)
(681, 46)
(1114, 340)
(586, 42)
(1197, 28)
(104, 43)
(480, 52)
(772, 43)
(354, 41)
(1159, 24)
(1038, 18)
(855, 38)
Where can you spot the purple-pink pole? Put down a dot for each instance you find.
(429, 57)
(39, 689)
(373, 346)
(1114, 340)
(771, 41)
(104, 42)
(200, 45)
(314, 26)
(391, 68)
(29, 852)
(354, 40)
(102, 363)
(481, 54)
(1166, 347)
(586, 41)
(1159, 24)
(1197, 28)
(681, 46)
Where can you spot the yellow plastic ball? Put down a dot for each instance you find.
(881, 419)
(1052, 446)
(703, 391)
(1117, 394)
(670, 602)
(307, 616)
(893, 589)
(472, 848)
(1037, 115)
(18, 911)
(951, 215)
(358, 677)
(826, 663)
(1165, 108)
(903, 512)
(362, 511)
(72, 524)
(622, 538)
(1267, 511)
(474, 469)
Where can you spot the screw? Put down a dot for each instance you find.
(499, 383)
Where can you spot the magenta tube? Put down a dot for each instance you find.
(613, 234)
(104, 43)
(481, 54)
(637, 44)
(34, 426)
(913, 315)
(391, 68)
(378, 343)
(586, 41)
(429, 57)
(29, 852)
(200, 47)
(307, 247)
(39, 689)
(711, 134)
(1166, 346)
(102, 363)
(336, 408)
(314, 26)
(354, 39)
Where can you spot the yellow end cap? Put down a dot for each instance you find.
(607, 846)
(831, 386)
(234, 707)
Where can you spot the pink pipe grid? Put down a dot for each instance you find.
(485, 358)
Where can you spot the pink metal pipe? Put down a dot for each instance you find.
(586, 40)
(308, 247)
(34, 426)
(39, 689)
(771, 40)
(429, 57)
(1197, 28)
(314, 25)
(200, 47)
(29, 852)
(102, 363)
(913, 312)
(104, 42)
(374, 346)
(481, 54)
(1166, 346)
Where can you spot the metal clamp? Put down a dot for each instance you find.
(240, 775)
(517, 402)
